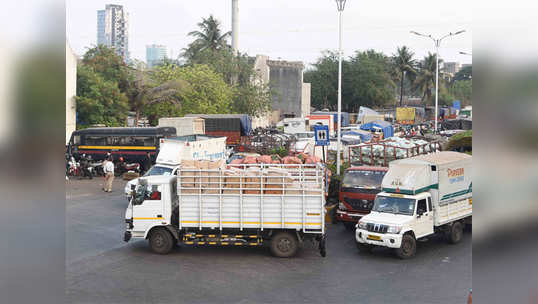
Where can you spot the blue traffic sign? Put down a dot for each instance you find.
(321, 135)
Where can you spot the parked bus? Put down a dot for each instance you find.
(130, 143)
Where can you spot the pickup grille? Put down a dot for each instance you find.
(360, 204)
(377, 228)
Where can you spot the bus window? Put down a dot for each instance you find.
(126, 141)
(76, 140)
(144, 141)
(96, 140)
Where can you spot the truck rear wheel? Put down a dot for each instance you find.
(284, 245)
(161, 241)
(408, 248)
(455, 233)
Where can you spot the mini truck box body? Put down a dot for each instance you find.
(440, 182)
(173, 151)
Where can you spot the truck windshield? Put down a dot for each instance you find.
(395, 205)
(363, 178)
(158, 170)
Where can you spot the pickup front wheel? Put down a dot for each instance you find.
(408, 248)
(161, 241)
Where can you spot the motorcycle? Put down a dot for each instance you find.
(123, 167)
(73, 167)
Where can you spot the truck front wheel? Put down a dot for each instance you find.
(455, 233)
(284, 245)
(408, 248)
(161, 241)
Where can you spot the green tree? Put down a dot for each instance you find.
(99, 101)
(324, 79)
(425, 80)
(466, 73)
(404, 64)
(109, 65)
(209, 36)
(462, 90)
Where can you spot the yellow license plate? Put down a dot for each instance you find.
(470, 201)
(374, 237)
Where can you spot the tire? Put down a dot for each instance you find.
(455, 233)
(284, 245)
(161, 241)
(349, 226)
(364, 248)
(408, 248)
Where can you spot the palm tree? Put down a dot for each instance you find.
(145, 93)
(425, 81)
(403, 64)
(210, 37)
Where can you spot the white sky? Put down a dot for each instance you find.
(292, 30)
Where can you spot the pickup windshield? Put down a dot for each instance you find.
(158, 170)
(395, 205)
(363, 178)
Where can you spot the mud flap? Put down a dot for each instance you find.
(127, 236)
(322, 244)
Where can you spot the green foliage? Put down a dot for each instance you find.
(403, 65)
(466, 73)
(366, 81)
(109, 65)
(461, 141)
(462, 90)
(99, 101)
(209, 37)
(425, 81)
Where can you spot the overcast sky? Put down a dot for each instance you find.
(291, 30)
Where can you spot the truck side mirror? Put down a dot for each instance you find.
(420, 213)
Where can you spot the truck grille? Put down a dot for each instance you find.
(360, 204)
(377, 228)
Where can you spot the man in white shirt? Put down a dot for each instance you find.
(108, 168)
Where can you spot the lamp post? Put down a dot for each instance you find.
(340, 4)
(437, 45)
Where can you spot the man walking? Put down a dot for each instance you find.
(109, 174)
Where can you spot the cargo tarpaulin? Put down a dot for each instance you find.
(365, 136)
(223, 122)
(388, 130)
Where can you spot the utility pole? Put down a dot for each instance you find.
(235, 26)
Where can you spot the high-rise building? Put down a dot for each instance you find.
(155, 54)
(451, 67)
(113, 29)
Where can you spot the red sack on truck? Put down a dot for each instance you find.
(250, 160)
(291, 160)
(275, 159)
(264, 159)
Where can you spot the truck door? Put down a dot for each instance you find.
(148, 206)
(424, 219)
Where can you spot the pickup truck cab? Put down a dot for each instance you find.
(421, 196)
(158, 169)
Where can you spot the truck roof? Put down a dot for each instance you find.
(439, 158)
(158, 179)
(367, 168)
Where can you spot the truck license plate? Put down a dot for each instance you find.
(374, 237)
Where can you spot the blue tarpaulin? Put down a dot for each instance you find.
(364, 136)
(456, 104)
(388, 130)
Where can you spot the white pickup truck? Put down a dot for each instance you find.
(421, 196)
(278, 205)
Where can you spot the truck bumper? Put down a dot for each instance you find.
(378, 239)
(345, 216)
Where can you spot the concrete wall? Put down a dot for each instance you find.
(70, 91)
(287, 79)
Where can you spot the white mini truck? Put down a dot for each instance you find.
(276, 205)
(421, 196)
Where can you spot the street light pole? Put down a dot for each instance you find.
(340, 4)
(437, 45)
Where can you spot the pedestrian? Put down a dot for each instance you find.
(108, 168)
(147, 162)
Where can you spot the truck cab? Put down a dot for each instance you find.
(150, 205)
(357, 193)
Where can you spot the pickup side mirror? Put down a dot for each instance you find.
(420, 213)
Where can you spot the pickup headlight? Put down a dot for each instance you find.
(394, 229)
(341, 206)
(361, 225)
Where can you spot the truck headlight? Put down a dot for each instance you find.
(394, 229)
(361, 225)
(341, 206)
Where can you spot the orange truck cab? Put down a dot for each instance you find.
(357, 193)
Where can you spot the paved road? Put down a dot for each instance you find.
(101, 268)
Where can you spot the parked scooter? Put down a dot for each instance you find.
(73, 167)
(123, 167)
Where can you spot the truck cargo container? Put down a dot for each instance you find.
(421, 196)
(276, 205)
(232, 126)
(184, 125)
